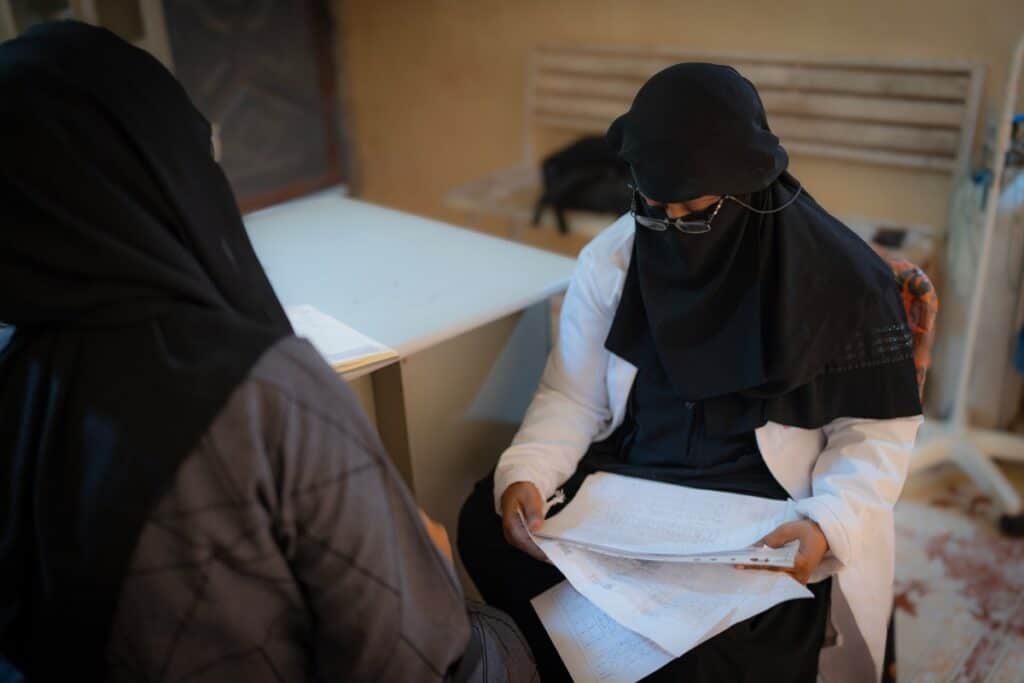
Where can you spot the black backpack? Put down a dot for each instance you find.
(587, 176)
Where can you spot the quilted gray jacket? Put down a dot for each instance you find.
(289, 549)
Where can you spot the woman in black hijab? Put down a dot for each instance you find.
(745, 309)
(188, 490)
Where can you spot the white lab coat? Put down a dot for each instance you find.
(846, 477)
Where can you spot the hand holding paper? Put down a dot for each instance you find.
(809, 541)
(522, 513)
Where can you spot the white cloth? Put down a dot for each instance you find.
(846, 477)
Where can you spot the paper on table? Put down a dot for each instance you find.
(627, 516)
(340, 345)
(677, 606)
(594, 648)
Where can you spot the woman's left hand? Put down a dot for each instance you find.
(439, 536)
(813, 546)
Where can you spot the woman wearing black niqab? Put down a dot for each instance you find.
(188, 489)
(746, 309)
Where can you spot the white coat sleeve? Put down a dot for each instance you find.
(571, 405)
(856, 481)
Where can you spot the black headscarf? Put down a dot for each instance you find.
(786, 316)
(139, 305)
(698, 129)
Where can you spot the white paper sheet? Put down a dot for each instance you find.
(594, 648)
(763, 556)
(677, 606)
(342, 346)
(626, 515)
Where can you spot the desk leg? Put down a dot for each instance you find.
(389, 409)
(381, 397)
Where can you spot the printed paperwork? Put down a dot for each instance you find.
(649, 520)
(626, 614)
(676, 606)
(593, 646)
(345, 349)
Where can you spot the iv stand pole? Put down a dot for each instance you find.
(973, 449)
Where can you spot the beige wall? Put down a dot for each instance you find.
(6, 22)
(435, 87)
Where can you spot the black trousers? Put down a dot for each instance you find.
(781, 644)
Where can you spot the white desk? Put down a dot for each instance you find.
(467, 313)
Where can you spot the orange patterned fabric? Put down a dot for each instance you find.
(922, 306)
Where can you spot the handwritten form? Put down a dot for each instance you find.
(623, 615)
(629, 517)
(677, 606)
(593, 646)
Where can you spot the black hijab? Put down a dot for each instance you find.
(139, 305)
(785, 316)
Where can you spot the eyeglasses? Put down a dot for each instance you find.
(698, 227)
(687, 227)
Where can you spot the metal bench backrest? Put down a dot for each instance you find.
(918, 115)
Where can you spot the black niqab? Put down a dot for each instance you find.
(786, 316)
(139, 305)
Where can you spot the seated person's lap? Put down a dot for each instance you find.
(780, 644)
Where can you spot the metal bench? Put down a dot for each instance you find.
(918, 115)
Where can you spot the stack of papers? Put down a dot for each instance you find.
(345, 349)
(649, 520)
(622, 615)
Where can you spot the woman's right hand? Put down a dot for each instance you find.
(523, 496)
